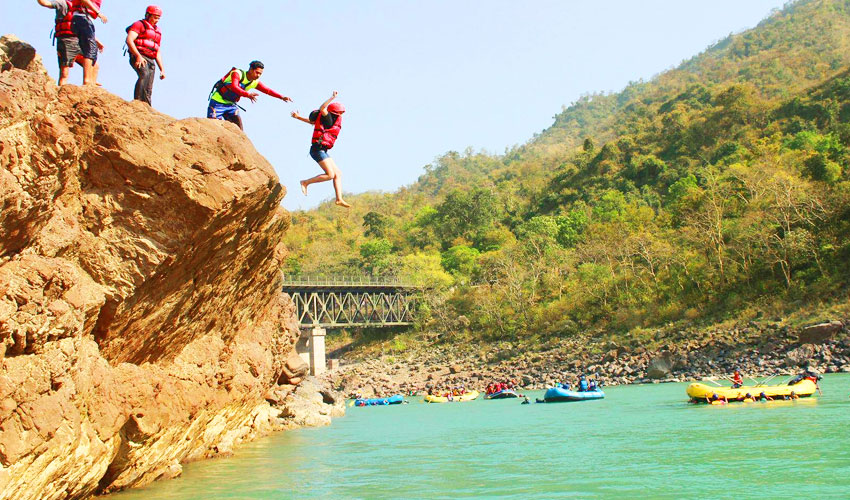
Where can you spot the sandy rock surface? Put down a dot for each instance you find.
(141, 318)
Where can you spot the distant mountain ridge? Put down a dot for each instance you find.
(715, 186)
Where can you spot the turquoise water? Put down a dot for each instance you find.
(641, 441)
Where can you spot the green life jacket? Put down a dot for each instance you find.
(222, 93)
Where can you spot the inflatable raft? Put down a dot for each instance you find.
(392, 400)
(702, 392)
(560, 395)
(507, 393)
(469, 396)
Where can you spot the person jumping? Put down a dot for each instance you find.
(327, 122)
(235, 85)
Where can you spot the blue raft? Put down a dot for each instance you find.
(560, 395)
(392, 400)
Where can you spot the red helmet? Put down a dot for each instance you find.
(153, 10)
(336, 108)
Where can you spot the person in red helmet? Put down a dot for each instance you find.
(84, 12)
(327, 122)
(143, 39)
(67, 45)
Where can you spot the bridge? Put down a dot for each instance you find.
(361, 301)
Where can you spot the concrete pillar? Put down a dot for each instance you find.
(318, 365)
(302, 347)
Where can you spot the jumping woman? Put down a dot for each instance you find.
(327, 122)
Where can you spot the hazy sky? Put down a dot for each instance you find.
(417, 78)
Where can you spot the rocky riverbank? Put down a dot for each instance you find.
(758, 350)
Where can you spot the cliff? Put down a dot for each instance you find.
(141, 319)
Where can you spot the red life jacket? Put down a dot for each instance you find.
(326, 137)
(79, 7)
(148, 40)
(64, 27)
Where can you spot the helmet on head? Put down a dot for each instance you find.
(336, 108)
(153, 10)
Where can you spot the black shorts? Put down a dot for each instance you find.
(67, 48)
(84, 28)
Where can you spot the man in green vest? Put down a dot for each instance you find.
(234, 86)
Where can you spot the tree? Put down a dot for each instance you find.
(460, 260)
(375, 224)
(374, 254)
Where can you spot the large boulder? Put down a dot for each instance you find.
(141, 318)
(660, 366)
(820, 333)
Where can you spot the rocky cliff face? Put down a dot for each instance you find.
(141, 322)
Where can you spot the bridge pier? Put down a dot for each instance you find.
(311, 348)
(318, 365)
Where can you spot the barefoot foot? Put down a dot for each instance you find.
(342, 203)
(304, 188)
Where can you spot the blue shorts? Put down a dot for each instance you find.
(319, 153)
(84, 29)
(221, 111)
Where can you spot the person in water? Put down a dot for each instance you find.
(737, 379)
(764, 397)
(715, 398)
(327, 122)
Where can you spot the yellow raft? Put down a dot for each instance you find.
(469, 396)
(702, 392)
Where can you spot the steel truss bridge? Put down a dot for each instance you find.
(352, 302)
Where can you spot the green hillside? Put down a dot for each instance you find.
(719, 189)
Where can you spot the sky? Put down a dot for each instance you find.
(417, 78)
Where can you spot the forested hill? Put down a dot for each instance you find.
(718, 189)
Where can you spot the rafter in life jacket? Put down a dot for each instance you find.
(149, 38)
(326, 137)
(64, 25)
(221, 92)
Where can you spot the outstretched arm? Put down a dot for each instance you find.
(324, 108)
(46, 3)
(301, 118)
(266, 90)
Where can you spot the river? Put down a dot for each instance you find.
(640, 441)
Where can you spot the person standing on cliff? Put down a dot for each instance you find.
(235, 85)
(327, 122)
(143, 39)
(84, 12)
(67, 45)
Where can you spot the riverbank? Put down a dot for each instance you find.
(757, 349)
